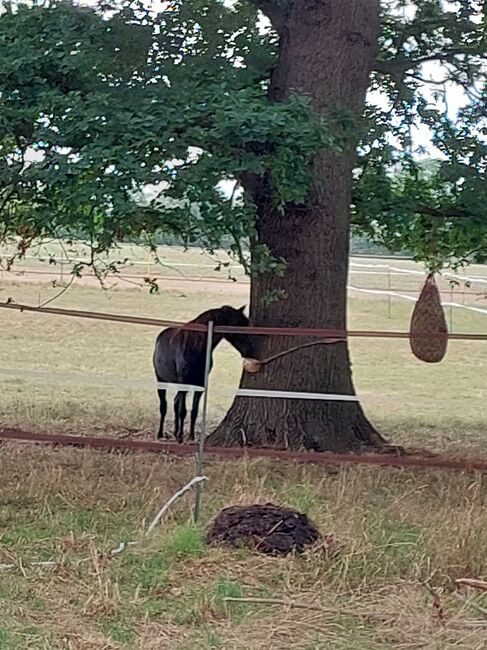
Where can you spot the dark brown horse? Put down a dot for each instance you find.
(180, 357)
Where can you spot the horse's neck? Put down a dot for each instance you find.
(216, 340)
(205, 320)
(198, 342)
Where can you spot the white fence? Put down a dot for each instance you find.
(356, 268)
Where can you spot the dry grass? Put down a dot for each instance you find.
(404, 537)
(412, 402)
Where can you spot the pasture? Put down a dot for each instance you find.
(403, 535)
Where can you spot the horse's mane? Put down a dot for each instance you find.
(207, 316)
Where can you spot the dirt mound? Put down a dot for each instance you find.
(266, 528)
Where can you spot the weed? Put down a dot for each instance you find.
(119, 632)
(184, 541)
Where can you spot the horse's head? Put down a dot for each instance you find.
(231, 317)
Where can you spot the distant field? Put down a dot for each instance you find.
(403, 535)
(175, 263)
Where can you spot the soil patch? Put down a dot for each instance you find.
(267, 528)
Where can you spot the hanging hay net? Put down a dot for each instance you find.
(429, 319)
(266, 528)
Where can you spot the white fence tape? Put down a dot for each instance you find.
(82, 260)
(285, 394)
(185, 387)
(387, 267)
(465, 278)
(479, 310)
(98, 380)
(395, 269)
(395, 294)
(381, 273)
(382, 292)
(375, 267)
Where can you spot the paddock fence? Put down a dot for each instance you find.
(394, 460)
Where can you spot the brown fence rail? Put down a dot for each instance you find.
(263, 331)
(174, 449)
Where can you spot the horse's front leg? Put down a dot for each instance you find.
(179, 415)
(194, 414)
(162, 411)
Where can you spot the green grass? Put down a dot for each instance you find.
(6, 638)
(185, 541)
(119, 633)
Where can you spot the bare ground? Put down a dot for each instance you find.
(240, 287)
(188, 284)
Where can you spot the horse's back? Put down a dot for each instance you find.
(174, 363)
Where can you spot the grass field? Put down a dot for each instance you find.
(413, 402)
(403, 535)
(403, 538)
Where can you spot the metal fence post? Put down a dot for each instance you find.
(201, 443)
(389, 302)
(451, 310)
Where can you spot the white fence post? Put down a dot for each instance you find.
(201, 443)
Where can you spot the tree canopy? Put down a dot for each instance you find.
(98, 103)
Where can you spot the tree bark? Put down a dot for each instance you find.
(327, 50)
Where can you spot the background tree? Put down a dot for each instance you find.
(97, 104)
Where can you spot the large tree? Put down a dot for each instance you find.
(312, 118)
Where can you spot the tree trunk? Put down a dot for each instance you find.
(326, 51)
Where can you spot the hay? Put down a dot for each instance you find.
(266, 528)
(429, 318)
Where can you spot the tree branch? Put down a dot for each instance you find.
(434, 82)
(426, 210)
(401, 65)
(443, 213)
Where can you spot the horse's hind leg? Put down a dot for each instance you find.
(194, 414)
(162, 410)
(179, 415)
